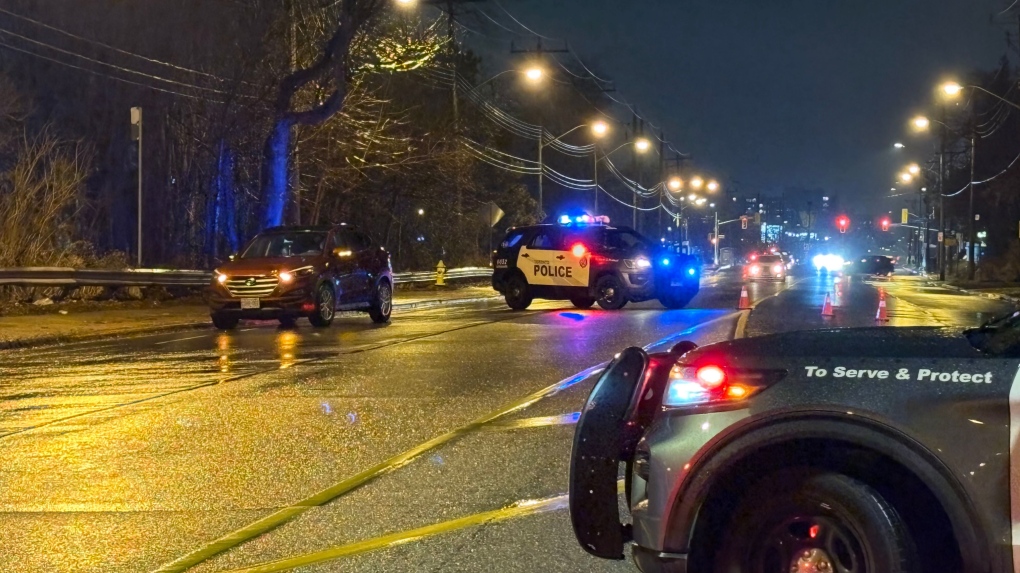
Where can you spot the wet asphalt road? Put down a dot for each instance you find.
(439, 442)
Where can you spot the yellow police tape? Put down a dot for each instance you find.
(519, 509)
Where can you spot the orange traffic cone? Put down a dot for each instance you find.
(881, 315)
(745, 301)
(827, 307)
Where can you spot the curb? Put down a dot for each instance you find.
(67, 338)
(990, 295)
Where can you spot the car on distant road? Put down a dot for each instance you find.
(874, 265)
(286, 273)
(766, 267)
(886, 450)
(586, 261)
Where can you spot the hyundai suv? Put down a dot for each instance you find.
(285, 273)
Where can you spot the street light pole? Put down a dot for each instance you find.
(595, 173)
(942, 198)
(970, 232)
(715, 258)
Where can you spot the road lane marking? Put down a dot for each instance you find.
(355, 481)
(741, 327)
(537, 422)
(181, 339)
(786, 286)
(519, 509)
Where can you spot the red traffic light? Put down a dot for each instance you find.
(843, 222)
(885, 222)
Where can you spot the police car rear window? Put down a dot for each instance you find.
(512, 239)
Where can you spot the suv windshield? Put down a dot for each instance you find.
(765, 259)
(285, 245)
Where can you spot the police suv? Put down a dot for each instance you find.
(584, 260)
(859, 450)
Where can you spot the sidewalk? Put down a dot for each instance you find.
(33, 330)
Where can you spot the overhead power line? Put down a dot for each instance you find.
(94, 72)
(113, 66)
(110, 47)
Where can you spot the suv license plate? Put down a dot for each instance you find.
(248, 303)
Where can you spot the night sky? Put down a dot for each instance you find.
(775, 94)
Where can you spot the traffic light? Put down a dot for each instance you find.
(885, 223)
(743, 223)
(843, 222)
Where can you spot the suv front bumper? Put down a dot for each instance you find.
(294, 303)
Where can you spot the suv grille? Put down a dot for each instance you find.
(251, 286)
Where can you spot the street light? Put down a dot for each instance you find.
(421, 211)
(599, 128)
(534, 74)
(898, 145)
(914, 169)
(692, 197)
(642, 144)
(697, 182)
(906, 177)
(952, 89)
(920, 122)
(675, 184)
(713, 185)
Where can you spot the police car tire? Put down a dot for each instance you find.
(676, 300)
(885, 542)
(582, 301)
(517, 294)
(619, 299)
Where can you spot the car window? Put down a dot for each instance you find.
(513, 238)
(295, 244)
(620, 239)
(544, 240)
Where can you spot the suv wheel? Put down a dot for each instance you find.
(611, 295)
(675, 299)
(517, 295)
(582, 301)
(802, 521)
(224, 321)
(382, 304)
(325, 307)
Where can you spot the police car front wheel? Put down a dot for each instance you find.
(517, 294)
(611, 293)
(806, 521)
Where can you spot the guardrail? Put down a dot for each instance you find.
(67, 277)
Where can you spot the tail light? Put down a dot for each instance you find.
(578, 250)
(712, 384)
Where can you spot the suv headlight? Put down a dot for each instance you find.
(220, 277)
(289, 276)
(638, 263)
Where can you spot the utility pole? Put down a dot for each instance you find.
(136, 133)
(942, 199)
(540, 51)
(662, 176)
(595, 172)
(970, 222)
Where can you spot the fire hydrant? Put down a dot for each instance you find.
(440, 274)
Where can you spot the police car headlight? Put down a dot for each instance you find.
(638, 263)
(712, 384)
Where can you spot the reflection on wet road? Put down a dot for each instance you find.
(440, 440)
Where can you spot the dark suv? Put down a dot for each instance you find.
(285, 273)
